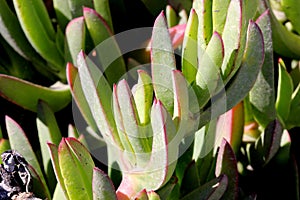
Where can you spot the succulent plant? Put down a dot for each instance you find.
(196, 108)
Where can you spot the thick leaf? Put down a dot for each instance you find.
(191, 179)
(48, 131)
(245, 76)
(171, 16)
(166, 190)
(78, 181)
(213, 189)
(190, 48)
(284, 92)
(58, 193)
(78, 95)
(77, 5)
(19, 142)
(75, 39)
(208, 75)
(106, 48)
(63, 13)
(11, 30)
(230, 126)
(204, 12)
(53, 150)
(102, 7)
(128, 123)
(37, 27)
(219, 14)
(227, 164)
(293, 120)
(143, 96)
(99, 97)
(272, 139)
(28, 93)
(232, 33)
(262, 95)
(102, 186)
(162, 63)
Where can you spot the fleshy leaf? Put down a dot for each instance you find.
(75, 39)
(48, 131)
(284, 92)
(107, 50)
(190, 48)
(227, 164)
(102, 7)
(78, 95)
(102, 186)
(99, 97)
(230, 126)
(162, 63)
(262, 95)
(28, 93)
(78, 181)
(219, 14)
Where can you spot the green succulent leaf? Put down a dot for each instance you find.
(162, 63)
(19, 142)
(48, 131)
(102, 7)
(103, 188)
(78, 95)
(227, 164)
(190, 48)
(262, 95)
(246, 76)
(107, 50)
(171, 16)
(28, 93)
(99, 97)
(213, 189)
(166, 191)
(53, 149)
(75, 39)
(284, 92)
(219, 8)
(11, 30)
(203, 9)
(63, 13)
(37, 27)
(143, 96)
(293, 120)
(78, 181)
(77, 5)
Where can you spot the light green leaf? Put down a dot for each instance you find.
(28, 93)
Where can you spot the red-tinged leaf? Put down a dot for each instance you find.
(230, 126)
(227, 164)
(75, 39)
(246, 76)
(78, 181)
(28, 93)
(99, 97)
(213, 189)
(78, 95)
(102, 186)
(19, 142)
(153, 195)
(142, 195)
(102, 7)
(107, 51)
(162, 62)
(171, 16)
(53, 149)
